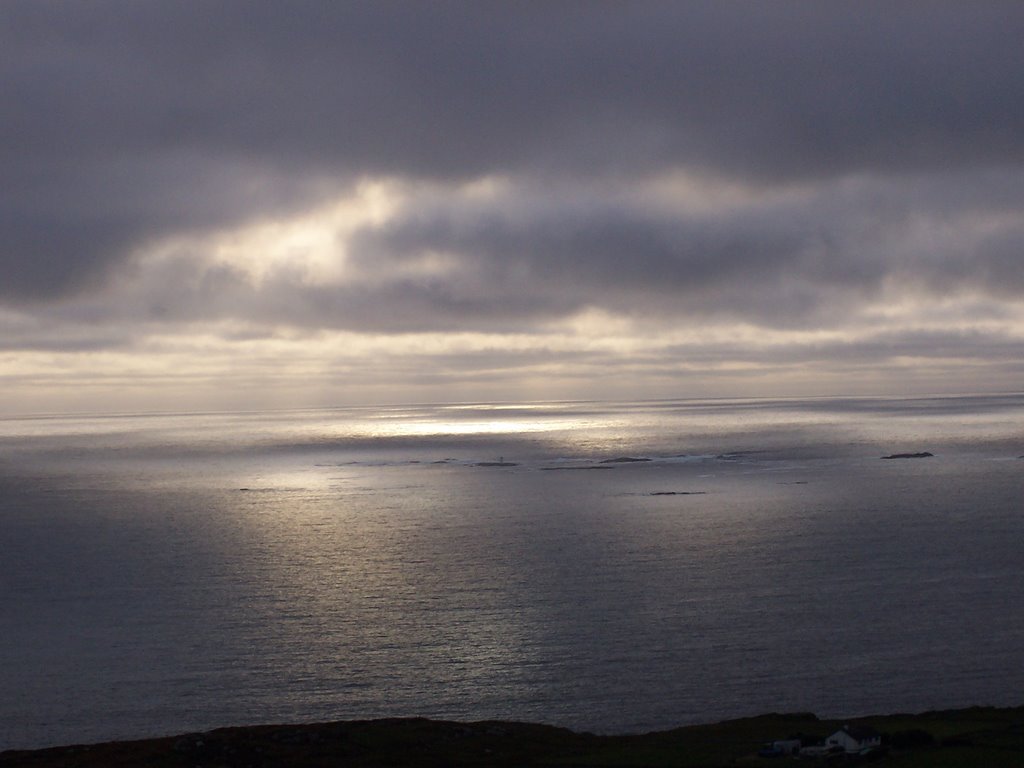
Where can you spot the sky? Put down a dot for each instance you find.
(268, 204)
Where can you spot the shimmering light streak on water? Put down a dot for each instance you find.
(169, 573)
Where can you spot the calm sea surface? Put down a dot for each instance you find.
(167, 573)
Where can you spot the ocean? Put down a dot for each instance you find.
(609, 567)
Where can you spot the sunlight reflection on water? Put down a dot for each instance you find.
(757, 560)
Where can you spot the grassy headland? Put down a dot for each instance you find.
(979, 736)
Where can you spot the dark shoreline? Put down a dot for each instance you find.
(977, 736)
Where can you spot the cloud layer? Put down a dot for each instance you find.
(855, 171)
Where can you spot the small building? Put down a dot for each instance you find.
(854, 739)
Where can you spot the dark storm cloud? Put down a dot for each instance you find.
(65, 227)
(564, 260)
(466, 88)
(500, 272)
(528, 256)
(778, 261)
(126, 121)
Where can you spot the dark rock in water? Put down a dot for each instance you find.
(624, 460)
(737, 455)
(566, 469)
(496, 464)
(677, 493)
(922, 455)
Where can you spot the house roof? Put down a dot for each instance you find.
(860, 732)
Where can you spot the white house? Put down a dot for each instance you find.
(855, 738)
